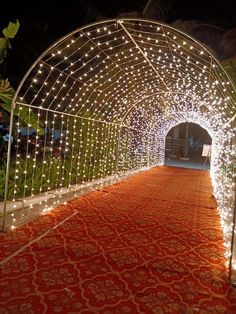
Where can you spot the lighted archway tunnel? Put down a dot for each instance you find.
(99, 103)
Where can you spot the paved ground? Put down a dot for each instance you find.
(149, 244)
(194, 162)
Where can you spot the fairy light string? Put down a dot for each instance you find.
(108, 94)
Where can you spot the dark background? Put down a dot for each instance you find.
(43, 22)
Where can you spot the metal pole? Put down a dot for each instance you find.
(7, 169)
(233, 244)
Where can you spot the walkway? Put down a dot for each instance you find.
(150, 244)
(194, 162)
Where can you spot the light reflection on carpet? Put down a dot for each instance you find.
(150, 244)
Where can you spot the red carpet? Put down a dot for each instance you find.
(150, 244)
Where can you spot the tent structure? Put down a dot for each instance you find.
(99, 104)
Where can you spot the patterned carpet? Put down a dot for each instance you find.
(149, 244)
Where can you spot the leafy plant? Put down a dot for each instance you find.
(6, 90)
(9, 32)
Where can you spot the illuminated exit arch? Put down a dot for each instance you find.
(101, 101)
(184, 146)
(201, 124)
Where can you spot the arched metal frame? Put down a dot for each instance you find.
(100, 102)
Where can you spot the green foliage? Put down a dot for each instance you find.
(2, 182)
(6, 93)
(9, 32)
(3, 49)
(37, 178)
(6, 90)
(53, 166)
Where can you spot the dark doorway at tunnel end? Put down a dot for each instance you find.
(188, 145)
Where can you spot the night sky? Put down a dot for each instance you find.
(75, 11)
(43, 22)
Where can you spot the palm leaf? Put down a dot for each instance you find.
(11, 30)
(6, 96)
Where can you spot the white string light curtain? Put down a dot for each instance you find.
(100, 101)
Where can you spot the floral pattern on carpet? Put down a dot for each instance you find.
(149, 244)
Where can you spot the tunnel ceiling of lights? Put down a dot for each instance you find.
(104, 70)
(112, 91)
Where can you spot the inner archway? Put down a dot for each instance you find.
(184, 146)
